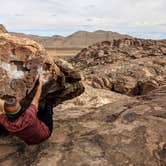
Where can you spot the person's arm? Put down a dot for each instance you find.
(36, 98)
(1, 106)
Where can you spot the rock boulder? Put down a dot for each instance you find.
(127, 66)
(22, 59)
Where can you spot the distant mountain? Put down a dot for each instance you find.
(84, 38)
(78, 39)
(48, 42)
(2, 29)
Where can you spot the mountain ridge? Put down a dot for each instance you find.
(78, 39)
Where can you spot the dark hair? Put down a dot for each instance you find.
(10, 101)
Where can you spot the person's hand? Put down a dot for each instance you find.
(41, 79)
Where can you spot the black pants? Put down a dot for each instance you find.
(45, 114)
(3, 131)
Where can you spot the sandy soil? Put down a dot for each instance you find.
(63, 52)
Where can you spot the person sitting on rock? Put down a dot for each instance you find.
(31, 125)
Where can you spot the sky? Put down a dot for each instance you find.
(139, 18)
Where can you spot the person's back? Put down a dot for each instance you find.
(27, 127)
(31, 125)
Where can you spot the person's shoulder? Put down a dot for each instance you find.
(29, 115)
(32, 109)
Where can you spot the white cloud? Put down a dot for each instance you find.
(142, 16)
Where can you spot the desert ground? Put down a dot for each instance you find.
(65, 53)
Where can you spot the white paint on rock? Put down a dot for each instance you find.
(12, 71)
(41, 71)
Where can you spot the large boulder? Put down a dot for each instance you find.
(128, 131)
(22, 59)
(128, 66)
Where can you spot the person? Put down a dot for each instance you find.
(34, 125)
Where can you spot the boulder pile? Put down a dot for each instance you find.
(127, 66)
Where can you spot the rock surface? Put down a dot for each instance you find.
(20, 62)
(127, 66)
(119, 131)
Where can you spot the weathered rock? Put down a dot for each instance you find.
(20, 62)
(128, 66)
(125, 132)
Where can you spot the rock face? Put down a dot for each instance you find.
(125, 132)
(128, 66)
(20, 62)
(2, 29)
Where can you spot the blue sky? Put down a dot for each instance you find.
(140, 18)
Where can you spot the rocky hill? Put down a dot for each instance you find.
(84, 39)
(79, 39)
(128, 66)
